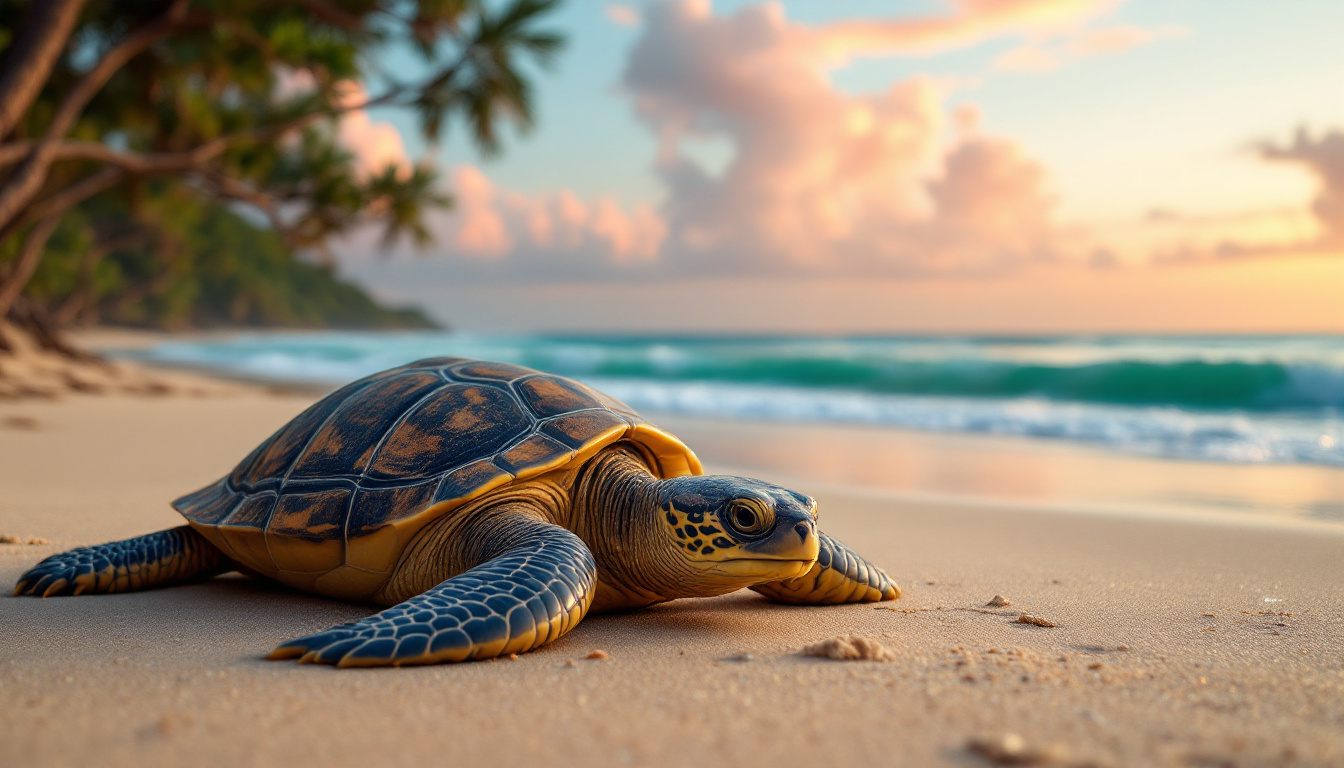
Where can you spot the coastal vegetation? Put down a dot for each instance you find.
(179, 162)
(207, 266)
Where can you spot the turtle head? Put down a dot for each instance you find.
(735, 531)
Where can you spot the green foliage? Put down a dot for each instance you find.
(214, 268)
(232, 104)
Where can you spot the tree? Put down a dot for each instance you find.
(238, 102)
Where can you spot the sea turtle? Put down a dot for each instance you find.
(492, 506)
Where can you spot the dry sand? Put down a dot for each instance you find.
(1186, 643)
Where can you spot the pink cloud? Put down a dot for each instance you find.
(477, 227)
(822, 180)
(489, 223)
(969, 22)
(1117, 39)
(374, 144)
(622, 14)
(1081, 43)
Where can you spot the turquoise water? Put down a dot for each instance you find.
(1249, 399)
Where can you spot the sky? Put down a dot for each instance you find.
(933, 165)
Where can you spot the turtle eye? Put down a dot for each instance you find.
(747, 518)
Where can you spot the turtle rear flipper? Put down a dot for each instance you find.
(162, 559)
(535, 586)
(839, 576)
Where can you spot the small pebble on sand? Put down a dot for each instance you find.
(1009, 749)
(999, 601)
(850, 648)
(597, 655)
(1035, 621)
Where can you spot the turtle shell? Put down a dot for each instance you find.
(328, 502)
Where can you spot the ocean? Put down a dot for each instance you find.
(1244, 400)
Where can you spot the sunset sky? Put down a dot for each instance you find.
(863, 166)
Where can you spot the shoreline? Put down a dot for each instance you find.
(944, 467)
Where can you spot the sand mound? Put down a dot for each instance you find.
(29, 371)
(850, 648)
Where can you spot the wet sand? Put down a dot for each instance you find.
(1184, 640)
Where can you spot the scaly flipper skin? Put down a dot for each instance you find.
(537, 587)
(839, 576)
(162, 559)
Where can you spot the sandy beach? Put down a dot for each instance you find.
(1183, 640)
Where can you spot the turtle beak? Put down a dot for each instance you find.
(794, 538)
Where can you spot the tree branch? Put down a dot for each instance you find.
(65, 199)
(27, 181)
(27, 63)
(237, 190)
(331, 14)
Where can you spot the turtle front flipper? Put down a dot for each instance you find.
(162, 559)
(839, 576)
(536, 587)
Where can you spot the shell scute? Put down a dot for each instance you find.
(343, 445)
(211, 504)
(458, 423)
(316, 516)
(244, 532)
(375, 508)
(577, 429)
(479, 369)
(468, 481)
(372, 541)
(254, 512)
(535, 451)
(549, 396)
(286, 444)
(307, 530)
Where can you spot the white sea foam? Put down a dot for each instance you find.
(1170, 432)
(778, 379)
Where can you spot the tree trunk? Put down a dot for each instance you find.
(29, 256)
(77, 304)
(26, 64)
(32, 318)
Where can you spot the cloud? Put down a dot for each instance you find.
(374, 144)
(818, 181)
(546, 234)
(821, 180)
(1175, 237)
(1117, 39)
(624, 15)
(1081, 43)
(1323, 157)
(969, 22)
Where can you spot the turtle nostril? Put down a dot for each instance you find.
(804, 530)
